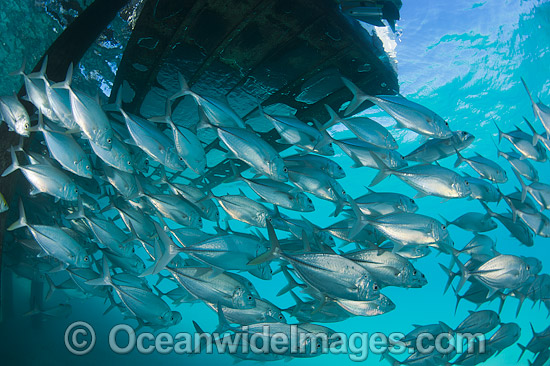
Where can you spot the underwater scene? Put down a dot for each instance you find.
(213, 182)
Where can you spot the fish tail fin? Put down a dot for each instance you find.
(273, 252)
(339, 207)
(79, 214)
(500, 133)
(167, 118)
(184, 88)
(326, 139)
(524, 187)
(523, 349)
(383, 171)
(458, 298)
(14, 163)
(223, 324)
(535, 108)
(449, 273)
(204, 122)
(360, 220)
(235, 174)
(358, 97)
(65, 84)
(20, 70)
(51, 287)
(465, 274)
(513, 207)
(459, 159)
(106, 279)
(22, 222)
(291, 282)
(536, 136)
(487, 209)
(334, 118)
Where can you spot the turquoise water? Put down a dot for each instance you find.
(462, 59)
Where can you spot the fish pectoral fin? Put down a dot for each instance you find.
(420, 195)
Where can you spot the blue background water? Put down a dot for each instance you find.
(464, 60)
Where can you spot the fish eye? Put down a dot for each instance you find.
(375, 287)
(86, 259)
(443, 227)
(412, 201)
(528, 268)
(200, 220)
(109, 141)
(249, 297)
(270, 219)
(75, 162)
(26, 125)
(446, 124)
(280, 317)
(343, 192)
(181, 159)
(414, 273)
(76, 190)
(466, 182)
(87, 167)
(133, 250)
(285, 169)
(146, 162)
(309, 200)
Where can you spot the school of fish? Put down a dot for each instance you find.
(129, 217)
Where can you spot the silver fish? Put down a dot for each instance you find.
(486, 168)
(297, 133)
(118, 156)
(153, 141)
(408, 114)
(365, 154)
(436, 149)
(523, 167)
(365, 129)
(428, 180)
(54, 242)
(45, 178)
(524, 143)
(388, 269)
(187, 143)
(15, 115)
(318, 162)
(219, 289)
(320, 185)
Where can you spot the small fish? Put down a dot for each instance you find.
(483, 190)
(218, 112)
(385, 203)
(365, 154)
(325, 164)
(89, 115)
(297, 133)
(153, 141)
(388, 269)
(523, 167)
(436, 149)
(187, 143)
(482, 321)
(486, 168)
(320, 185)
(427, 180)
(505, 336)
(526, 144)
(408, 114)
(248, 147)
(15, 115)
(365, 129)
(54, 242)
(45, 178)
(473, 221)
